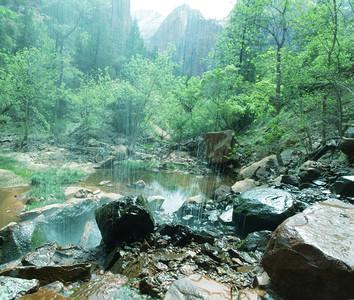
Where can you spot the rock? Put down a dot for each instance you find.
(311, 255)
(309, 175)
(180, 235)
(140, 184)
(251, 295)
(197, 287)
(13, 288)
(43, 294)
(16, 240)
(256, 241)
(344, 186)
(120, 152)
(83, 193)
(347, 147)
(104, 183)
(262, 209)
(156, 202)
(91, 236)
(244, 186)
(218, 145)
(51, 254)
(107, 163)
(289, 179)
(49, 274)
(107, 286)
(265, 168)
(221, 192)
(125, 219)
(192, 206)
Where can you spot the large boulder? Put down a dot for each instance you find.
(263, 169)
(311, 255)
(219, 146)
(125, 219)
(262, 209)
(198, 287)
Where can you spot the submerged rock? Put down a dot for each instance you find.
(125, 219)
(311, 255)
(12, 288)
(197, 287)
(262, 209)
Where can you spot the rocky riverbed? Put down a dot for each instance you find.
(261, 238)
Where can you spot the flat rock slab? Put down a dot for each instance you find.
(311, 255)
(48, 274)
(12, 288)
(198, 287)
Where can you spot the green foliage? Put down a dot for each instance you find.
(15, 166)
(48, 185)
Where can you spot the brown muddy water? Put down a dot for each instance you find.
(10, 207)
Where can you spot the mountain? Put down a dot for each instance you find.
(148, 21)
(193, 36)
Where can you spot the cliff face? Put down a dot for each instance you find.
(193, 36)
(121, 23)
(149, 21)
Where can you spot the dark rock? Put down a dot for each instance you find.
(125, 219)
(181, 235)
(344, 186)
(150, 286)
(49, 274)
(16, 240)
(309, 175)
(13, 288)
(311, 255)
(221, 192)
(347, 147)
(192, 206)
(256, 241)
(290, 179)
(262, 209)
(218, 145)
(197, 287)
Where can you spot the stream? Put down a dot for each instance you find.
(174, 186)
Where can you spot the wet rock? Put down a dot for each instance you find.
(150, 286)
(251, 295)
(49, 274)
(192, 206)
(107, 286)
(125, 219)
(51, 254)
(218, 145)
(263, 169)
(347, 147)
(16, 240)
(290, 179)
(156, 202)
(309, 175)
(197, 287)
(344, 186)
(43, 294)
(311, 255)
(12, 288)
(226, 216)
(140, 184)
(221, 192)
(180, 235)
(244, 186)
(256, 241)
(83, 193)
(91, 236)
(262, 209)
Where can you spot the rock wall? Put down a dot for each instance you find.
(193, 36)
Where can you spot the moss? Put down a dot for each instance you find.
(38, 238)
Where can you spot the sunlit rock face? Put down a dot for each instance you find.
(311, 255)
(193, 36)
